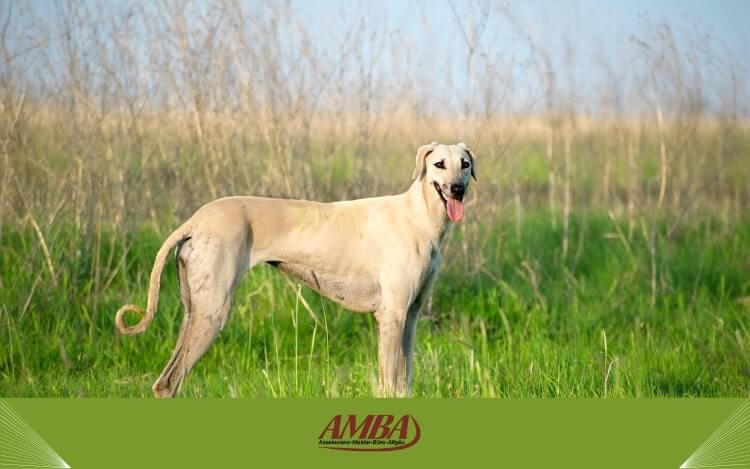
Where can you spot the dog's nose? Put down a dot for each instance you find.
(458, 190)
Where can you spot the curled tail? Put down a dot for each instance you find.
(153, 287)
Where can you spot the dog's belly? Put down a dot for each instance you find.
(350, 291)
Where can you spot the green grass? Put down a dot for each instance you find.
(527, 324)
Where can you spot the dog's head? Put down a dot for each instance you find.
(448, 170)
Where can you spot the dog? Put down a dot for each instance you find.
(379, 255)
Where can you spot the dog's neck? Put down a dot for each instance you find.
(429, 209)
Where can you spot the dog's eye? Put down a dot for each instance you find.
(440, 164)
(464, 164)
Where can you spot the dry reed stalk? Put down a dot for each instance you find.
(632, 185)
(566, 195)
(43, 244)
(662, 158)
(551, 179)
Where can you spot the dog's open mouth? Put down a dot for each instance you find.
(453, 206)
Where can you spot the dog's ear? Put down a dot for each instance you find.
(422, 153)
(472, 157)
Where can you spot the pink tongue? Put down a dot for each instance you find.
(455, 209)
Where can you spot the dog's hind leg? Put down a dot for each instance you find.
(208, 276)
(166, 386)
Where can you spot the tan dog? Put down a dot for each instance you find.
(376, 255)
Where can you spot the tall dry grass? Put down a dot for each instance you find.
(131, 116)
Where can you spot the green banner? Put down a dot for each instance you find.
(632, 433)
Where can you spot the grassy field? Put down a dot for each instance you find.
(532, 326)
(594, 260)
(605, 249)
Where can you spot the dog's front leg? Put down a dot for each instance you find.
(409, 336)
(393, 352)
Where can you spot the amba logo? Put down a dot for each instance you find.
(372, 433)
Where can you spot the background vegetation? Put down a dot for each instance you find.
(604, 253)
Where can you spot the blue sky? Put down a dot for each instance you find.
(596, 32)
